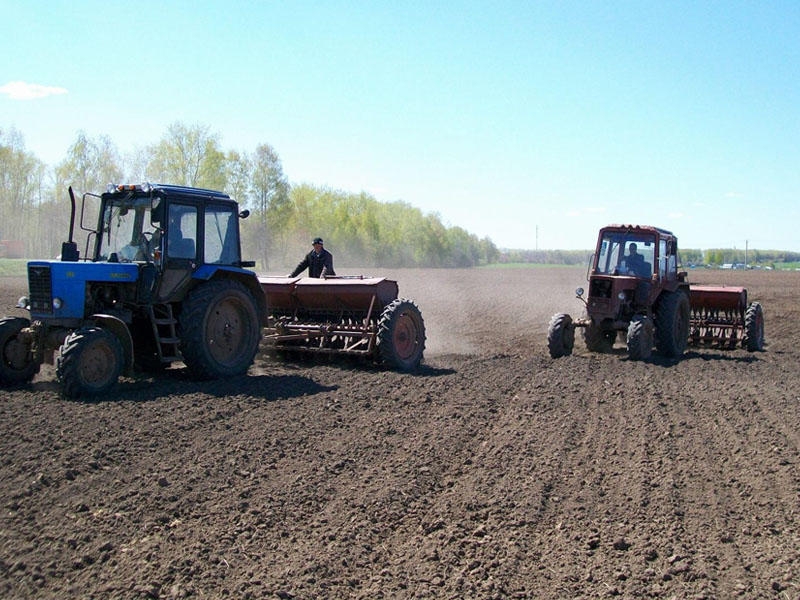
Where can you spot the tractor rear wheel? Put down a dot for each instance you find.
(89, 363)
(16, 363)
(672, 324)
(560, 335)
(754, 328)
(640, 338)
(220, 330)
(598, 339)
(401, 335)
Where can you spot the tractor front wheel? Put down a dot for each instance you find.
(754, 328)
(89, 363)
(640, 338)
(16, 363)
(220, 330)
(560, 335)
(401, 335)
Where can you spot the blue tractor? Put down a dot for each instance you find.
(161, 280)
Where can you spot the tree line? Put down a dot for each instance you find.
(362, 231)
(284, 218)
(720, 256)
(715, 257)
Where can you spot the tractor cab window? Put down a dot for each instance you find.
(182, 232)
(608, 257)
(662, 259)
(221, 241)
(126, 230)
(626, 254)
(668, 259)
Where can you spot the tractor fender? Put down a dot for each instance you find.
(120, 330)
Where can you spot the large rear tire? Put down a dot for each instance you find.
(16, 362)
(560, 335)
(401, 335)
(640, 338)
(672, 324)
(89, 363)
(754, 328)
(220, 330)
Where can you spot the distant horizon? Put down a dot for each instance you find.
(680, 249)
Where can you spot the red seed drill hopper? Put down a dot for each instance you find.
(360, 316)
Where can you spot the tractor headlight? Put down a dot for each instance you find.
(22, 302)
(621, 295)
(579, 292)
(57, 303)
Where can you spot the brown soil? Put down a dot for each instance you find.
(495, 472)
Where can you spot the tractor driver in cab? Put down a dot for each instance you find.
(635, 263)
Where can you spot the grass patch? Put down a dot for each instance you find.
(787, 266)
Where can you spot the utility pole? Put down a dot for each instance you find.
(745, 254)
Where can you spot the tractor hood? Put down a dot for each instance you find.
(57, 289)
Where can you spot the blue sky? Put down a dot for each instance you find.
(533, 123)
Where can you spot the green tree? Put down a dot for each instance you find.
(238, 174)
(90, 165)
(370, 233)
(364, 231)
(270, 191)
(21, 190)
(188, 156)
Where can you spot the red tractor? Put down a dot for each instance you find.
(637, 292)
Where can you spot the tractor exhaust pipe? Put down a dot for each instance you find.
(69, 249)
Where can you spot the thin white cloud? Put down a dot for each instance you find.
(22, 90)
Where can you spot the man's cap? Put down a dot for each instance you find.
(317, 241)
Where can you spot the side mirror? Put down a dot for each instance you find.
(244, 214)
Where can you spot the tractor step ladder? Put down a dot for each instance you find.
(166, 336)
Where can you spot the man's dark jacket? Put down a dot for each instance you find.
(316, 264)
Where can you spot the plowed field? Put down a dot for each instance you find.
(494, 472)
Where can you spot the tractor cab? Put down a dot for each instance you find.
(160, 224)
(169, 232)
(637, 251)
(626, 253)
